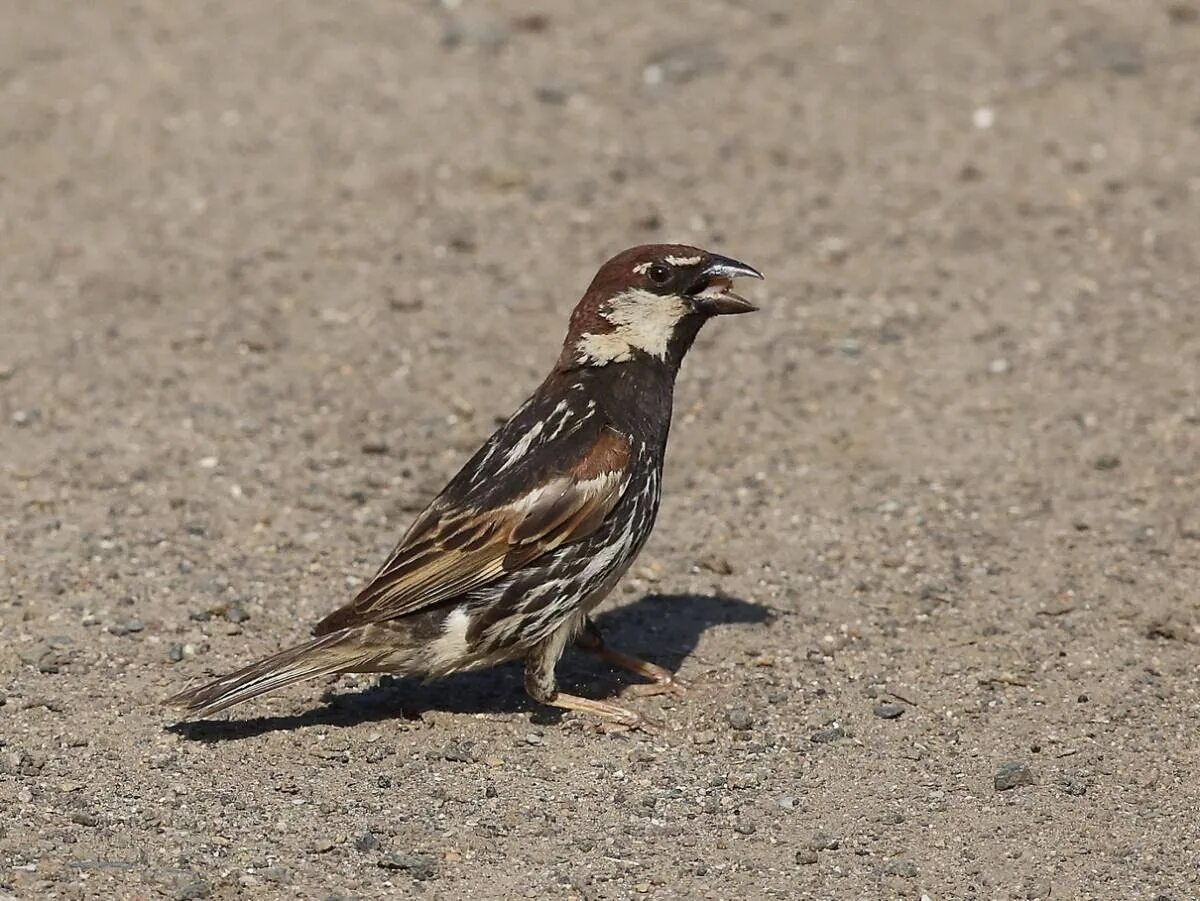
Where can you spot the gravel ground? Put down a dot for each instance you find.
(930, 548)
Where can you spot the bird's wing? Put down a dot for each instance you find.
(455, 546)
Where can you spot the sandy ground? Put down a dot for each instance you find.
(270, 271)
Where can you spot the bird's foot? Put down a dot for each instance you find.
(637, 723)
(613, 717)
(666, 685)
(661, 680)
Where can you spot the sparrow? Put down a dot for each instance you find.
(509, 560)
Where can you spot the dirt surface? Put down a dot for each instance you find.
(270, 271)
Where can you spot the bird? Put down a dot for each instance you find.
(507, 563)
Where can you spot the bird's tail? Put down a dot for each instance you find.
(338, 652)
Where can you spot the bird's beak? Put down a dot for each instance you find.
(714, 297)
(724, 267)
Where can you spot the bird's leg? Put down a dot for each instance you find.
(541, 685)
(662, 680)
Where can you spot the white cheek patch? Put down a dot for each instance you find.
(603, 348)
(641, 321)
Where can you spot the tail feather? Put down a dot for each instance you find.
(336, 652)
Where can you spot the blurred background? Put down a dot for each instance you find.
(269, 271)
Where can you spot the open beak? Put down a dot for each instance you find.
(713, 295)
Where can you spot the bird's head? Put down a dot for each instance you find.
(650, 302)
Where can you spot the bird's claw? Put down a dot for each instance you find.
(671, 686)
(635, 723)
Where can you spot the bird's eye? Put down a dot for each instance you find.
(659, 274)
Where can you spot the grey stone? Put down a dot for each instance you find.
(740, 719)
(824, 841)
(459, 752)
(416, 865)
(830, 734)
(888, 711)
(1073, 785)
(368, 841)
(1012, 774)
(900, 867)
(191, 890)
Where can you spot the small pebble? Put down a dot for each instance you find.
(744, 780)
(555, 93)
(416, 865)
(825, 736)
(277, 874)
(888, 711)
(1042, 889)
(715, 563)
(806, 857)
(1073, 785)
(458, 752)
(740, 719)
(191, 890)
(682, 63)
(1012, 774)
(1106, 462)
(368, 841)
(905, 868)
(824, 841)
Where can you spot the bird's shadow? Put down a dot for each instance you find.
(664, 629)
